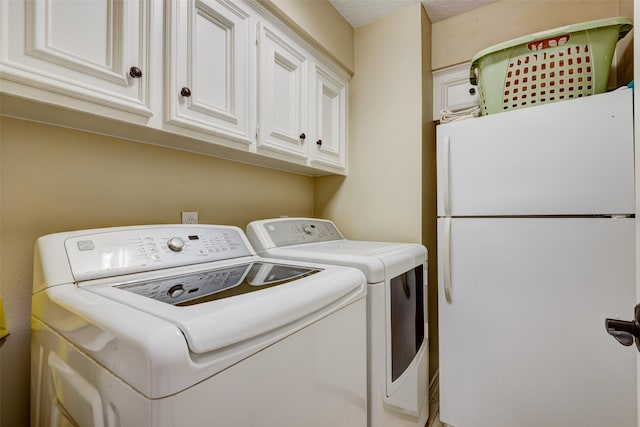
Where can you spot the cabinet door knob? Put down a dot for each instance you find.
(319, 142)
(185, 91)
(472, 91)
(303, 136)
(135, 72)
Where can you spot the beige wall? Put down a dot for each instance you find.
(381, 197)
(49, 176)
(429, 226)
(54, 179)
(458, 39)
(322, 23)
(389, 194)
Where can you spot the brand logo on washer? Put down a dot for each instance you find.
(85, 245)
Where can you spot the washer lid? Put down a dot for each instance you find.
(235, 303)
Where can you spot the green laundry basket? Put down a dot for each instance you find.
(559, 64)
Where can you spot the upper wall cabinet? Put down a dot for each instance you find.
(329, 117)
(302, 111)
(452, 90)
(94, 53)
(283, 95)
(226, 78)
(210, 78)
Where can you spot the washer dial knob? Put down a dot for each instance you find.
(176, 244)
(308, 229)
(176, 291)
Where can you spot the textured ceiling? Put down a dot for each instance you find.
(362, 12)
(442, 9)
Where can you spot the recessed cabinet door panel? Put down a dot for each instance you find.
(210, 75)
(93, 50)
(330, 133)
(282, 96)
(90, 50)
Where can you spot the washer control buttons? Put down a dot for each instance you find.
(176, 244)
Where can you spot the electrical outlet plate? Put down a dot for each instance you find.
(189, 217)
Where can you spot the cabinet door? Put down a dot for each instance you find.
(210, 74)
(328, 118)
(452, 90)
(282, 93)
(74, 52)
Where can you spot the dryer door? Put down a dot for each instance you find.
(406, 348)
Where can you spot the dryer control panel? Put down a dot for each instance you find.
(276, 233)
(123, 251)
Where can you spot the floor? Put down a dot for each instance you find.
(436, 422)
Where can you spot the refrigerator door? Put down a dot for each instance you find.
(522, 338)
(567, 158)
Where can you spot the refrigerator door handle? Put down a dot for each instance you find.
(447, 258)
(446, 152)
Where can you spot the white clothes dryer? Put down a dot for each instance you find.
(396, 308)
(184, 325)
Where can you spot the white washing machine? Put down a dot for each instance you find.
(396, 308)
(183, 325)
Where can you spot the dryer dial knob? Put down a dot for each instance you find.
(308, 229)
(175, 291)
(176, 244)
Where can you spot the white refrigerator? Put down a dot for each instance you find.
(535, 249)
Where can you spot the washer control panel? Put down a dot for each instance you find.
(291, 231)
(112, 253)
